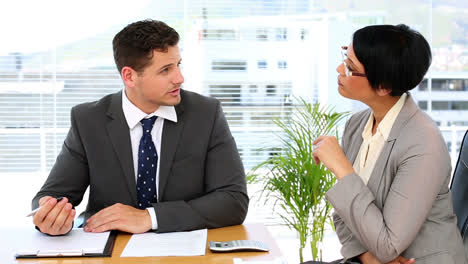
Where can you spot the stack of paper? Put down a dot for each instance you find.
(274, 261)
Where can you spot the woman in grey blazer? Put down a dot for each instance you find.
(392, 202)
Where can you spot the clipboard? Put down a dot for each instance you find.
(79, 252)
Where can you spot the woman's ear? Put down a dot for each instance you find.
(383, 91)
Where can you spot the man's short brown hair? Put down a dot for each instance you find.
(134, 45)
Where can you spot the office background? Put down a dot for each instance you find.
(253, 55)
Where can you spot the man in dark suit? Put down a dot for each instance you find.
(156, 157)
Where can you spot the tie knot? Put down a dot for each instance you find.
(148, 124)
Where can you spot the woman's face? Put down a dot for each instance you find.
(354, 87)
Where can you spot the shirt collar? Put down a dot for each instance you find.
(133, 115)
(386, 124)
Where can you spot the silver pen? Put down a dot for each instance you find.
(33, 212)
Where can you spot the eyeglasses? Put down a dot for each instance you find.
(348, 72)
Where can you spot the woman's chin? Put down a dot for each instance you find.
(341, 91)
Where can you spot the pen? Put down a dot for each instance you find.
(33, 212)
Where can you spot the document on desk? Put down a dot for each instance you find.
(30, 243)
(151, 244)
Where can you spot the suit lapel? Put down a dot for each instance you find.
(406, 112)
(169, 142)
(356, 141)
(379, 168)
(119, 134)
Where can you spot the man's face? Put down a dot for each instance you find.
(159, 83)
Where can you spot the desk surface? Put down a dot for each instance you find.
(246, 231)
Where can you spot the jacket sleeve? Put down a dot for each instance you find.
(69, 176)
(225, 201)
(350, 245)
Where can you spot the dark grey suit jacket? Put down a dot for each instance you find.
(406, 207)
(201, 180)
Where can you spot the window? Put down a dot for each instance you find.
(460, 123)
(262, 34)
(440, 105)
(235, 118)
(265, 117)
(270, 90)
(282, 64)
(449, 105)
(262, 64)
(253, 89)
(422, 105)
(281, 34)
(304, 34)
(423, 85)
(228, 94)
(445, 84)
(459, 105)
(219, 34)
(231, 65)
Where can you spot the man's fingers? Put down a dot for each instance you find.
(103, 213)
(52, 215)
(44, 200)
(54, 218)
(45, 209)
(68, 222)
(105, 227)
(119, 217)
(102, 217)
(62, 217)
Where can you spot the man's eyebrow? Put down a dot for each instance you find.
(169, 64)
(164, 66)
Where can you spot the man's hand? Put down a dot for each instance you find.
(119, 217)
(54, 218)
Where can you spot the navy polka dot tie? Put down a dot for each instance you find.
(147, 165)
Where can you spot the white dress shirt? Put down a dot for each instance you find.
(133, 116)
(372, 145)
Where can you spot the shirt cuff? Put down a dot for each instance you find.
(154, 221)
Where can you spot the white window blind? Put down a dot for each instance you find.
(37, 91)
(39, 87)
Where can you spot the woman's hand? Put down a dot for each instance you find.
(328, 151)
(369, 258)
(402, 260)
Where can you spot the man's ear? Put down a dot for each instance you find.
(128, 76)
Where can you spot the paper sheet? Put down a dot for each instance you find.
(274, 261)
(150, 244)
(30, 241)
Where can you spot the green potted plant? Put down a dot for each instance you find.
(293, 181)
